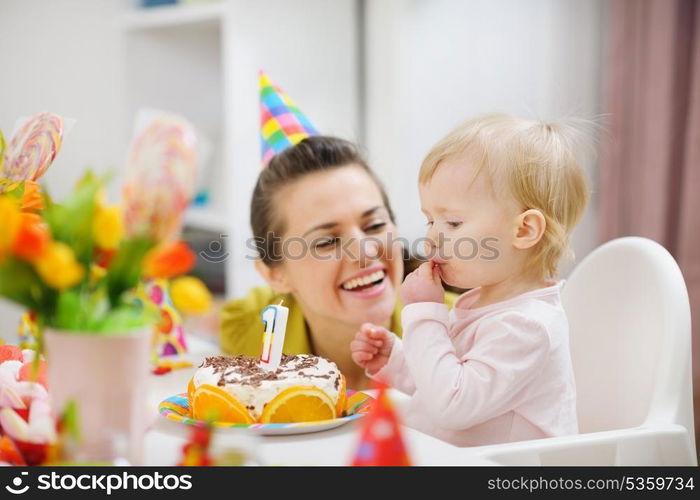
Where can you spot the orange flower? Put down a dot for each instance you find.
(32, 239)
(31, 199)
(168, 260)
(103, 258)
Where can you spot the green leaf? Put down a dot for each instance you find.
(126, 318)
(96, 307)
(15, 193)
(89, 312)
(68, 311)
(70, 421)
(20, 283)
(124, 273)
(72, 222)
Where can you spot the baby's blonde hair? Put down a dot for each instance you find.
(534, 162)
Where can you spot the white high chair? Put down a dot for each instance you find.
(629, 316)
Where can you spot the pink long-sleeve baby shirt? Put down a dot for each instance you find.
(486, 375)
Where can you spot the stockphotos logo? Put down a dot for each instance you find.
(107, 483)
(17, 488)
(216, 253)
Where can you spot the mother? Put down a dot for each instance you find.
(327, 245)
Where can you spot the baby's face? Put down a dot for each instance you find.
(470, 227)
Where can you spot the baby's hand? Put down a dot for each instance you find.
(372, 347)
(423, 285)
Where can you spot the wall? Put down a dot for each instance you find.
(433, 64)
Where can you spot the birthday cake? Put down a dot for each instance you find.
(239, 389)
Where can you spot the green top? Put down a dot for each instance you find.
(241, 326)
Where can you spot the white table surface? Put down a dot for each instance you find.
(165, 438)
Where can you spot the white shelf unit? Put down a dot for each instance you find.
(206, 218)
(202, 61)
(173, 16)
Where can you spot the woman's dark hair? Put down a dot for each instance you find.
(313, 154)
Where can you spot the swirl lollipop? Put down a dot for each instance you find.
(28, 155)
(161, 177)
(32, 149)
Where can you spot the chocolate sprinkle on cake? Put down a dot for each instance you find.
(236, 369)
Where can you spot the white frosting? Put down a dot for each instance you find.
(324, 375)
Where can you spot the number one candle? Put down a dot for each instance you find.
(274, 319)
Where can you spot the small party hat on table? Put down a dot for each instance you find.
(28, 331)
(381, 443)
(169, 335)
(282, 124)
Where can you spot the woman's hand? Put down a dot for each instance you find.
(372, 347)
(423, 285)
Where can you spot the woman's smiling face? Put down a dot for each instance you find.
(340, 256)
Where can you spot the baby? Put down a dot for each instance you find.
(501, 195)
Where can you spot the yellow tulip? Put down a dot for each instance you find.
(109, 227)
(10, 218)
(97, 273)
(100, 199)
(190, 295)
(58, 267)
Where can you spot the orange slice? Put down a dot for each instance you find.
(190, 391)
(298, 404)
(340, 405)
(210, 402)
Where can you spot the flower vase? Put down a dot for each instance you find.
(107, 377)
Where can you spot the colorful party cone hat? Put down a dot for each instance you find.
(381, 443)
(282, 124)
